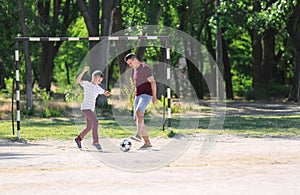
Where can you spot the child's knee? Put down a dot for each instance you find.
(95, 122)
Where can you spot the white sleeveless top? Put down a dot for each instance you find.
(91, 92)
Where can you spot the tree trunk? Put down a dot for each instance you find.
(259, 91)
(212, 60)
(120, 45)
(108, 8)
(177, 87)
(160, 72)
(46, 66)
(2, 76)
(91, 18)
(268, 61)
(195, 77)
(110, 73)
(219, 56)
(201, 62)
(106, 29)
(90, 13)
(263, 59)
(153, 14)
(201, 68)
(120, 48)
(67, 65)
(29, 100)
(293, 30)
(294, 94)
(258, 88)
(227, 70)
(50, 49)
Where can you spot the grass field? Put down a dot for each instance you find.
(66, 129)
(243, 119)
(262, 126)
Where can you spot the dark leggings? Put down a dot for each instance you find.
(91, 124)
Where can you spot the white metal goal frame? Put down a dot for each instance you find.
(110, 38)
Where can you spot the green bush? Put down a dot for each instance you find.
(249, 94)
(242, 85)
(129, 93)
(171, 133)
(277, 89)
(176, 108)
(50, 112)
(74, 94)
(7, 92)
(28, 111)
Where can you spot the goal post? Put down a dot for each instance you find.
(109, 38)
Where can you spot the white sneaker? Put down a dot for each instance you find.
(145, 147)
(136, 138)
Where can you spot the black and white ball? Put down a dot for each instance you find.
(125, 145)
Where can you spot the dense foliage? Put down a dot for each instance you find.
(259, 39)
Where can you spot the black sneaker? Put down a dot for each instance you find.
(78, 143)
(98, 147)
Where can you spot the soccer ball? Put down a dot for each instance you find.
(125, 145)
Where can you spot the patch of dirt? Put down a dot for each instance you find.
(234, 165)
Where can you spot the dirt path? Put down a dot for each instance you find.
(256, 108)
(234, 166)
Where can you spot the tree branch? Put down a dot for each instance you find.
(87, 18)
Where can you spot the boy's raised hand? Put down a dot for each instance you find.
(79, 78)
(86, 68)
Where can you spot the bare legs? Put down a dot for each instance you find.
(141, 127)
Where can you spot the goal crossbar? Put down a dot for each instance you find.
(90, 38)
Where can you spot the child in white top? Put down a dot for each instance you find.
(91, 91)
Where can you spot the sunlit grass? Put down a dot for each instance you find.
(35, 129)
(67, 129)
(263, 126)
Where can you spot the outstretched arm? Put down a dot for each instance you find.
(79, 78)
(106, 93)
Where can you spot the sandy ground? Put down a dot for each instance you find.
(234, 165)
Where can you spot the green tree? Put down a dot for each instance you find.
(264, 20)
(8, 31)
(90, 13)
(55, 17)
(193, 17)
(71, 54)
